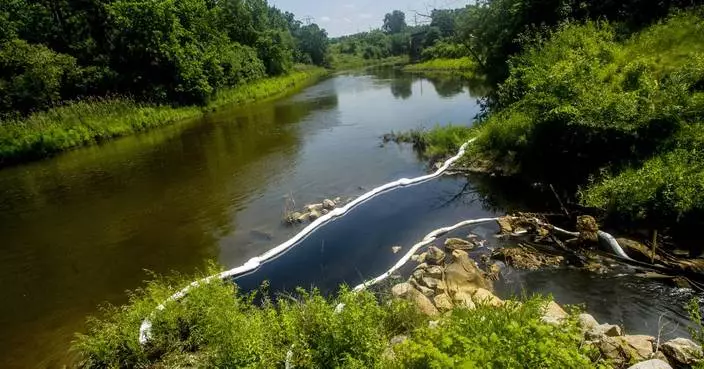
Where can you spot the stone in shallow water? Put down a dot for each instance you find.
(435, 256)
(396, 249)
(328, 204)
(458, 244)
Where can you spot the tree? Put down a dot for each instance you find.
(313, 43)
(394, 22)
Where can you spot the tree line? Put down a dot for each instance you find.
(161, 51)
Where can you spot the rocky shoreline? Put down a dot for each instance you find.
(446, 277)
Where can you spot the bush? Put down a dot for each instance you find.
(216, 326)
(512, 336)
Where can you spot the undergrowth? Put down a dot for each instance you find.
(92, 121)
(215, 325)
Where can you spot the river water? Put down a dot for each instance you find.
(79, 229)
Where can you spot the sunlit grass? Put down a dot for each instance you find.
(445, 65)
(94, 120)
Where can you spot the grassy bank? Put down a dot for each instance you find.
(620, 118)
(218, 327)
(461, 65)
(88, 122)
(342, 62)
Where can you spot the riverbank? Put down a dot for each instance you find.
(88, 122)
(460, 65)
(216, 327)
(604, 119)
(343, 62)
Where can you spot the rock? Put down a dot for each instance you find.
(588, 228)
(328, 204)
(483, 296)
(603, 330)
(295, 217)
(462, 274)
(682, 351)
(422, 266)
(651, 364)
(303, 218)
(586, 322)
(435, 256)
(314, 214)
(525, 258)
(396, 249)
(418, 274)
(637, 250)
(419, 258)
(434, 271)
(554, 314)
(430, 282)
(422, 289)
(458, 244)
(464, 299)
(433, 324)
(401, 290)
(337, 200)
(314, 207)
(443, 302)
(627, 348)
(505, 226)
(389, 353)
(640, 346)
(325, 212)
(422, 302)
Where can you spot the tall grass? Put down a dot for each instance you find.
(436, 143)
(215, 326)
(91, 121)
(443, 65)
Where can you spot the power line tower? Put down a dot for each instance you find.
(308, 19)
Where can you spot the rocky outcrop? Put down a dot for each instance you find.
(682, 351)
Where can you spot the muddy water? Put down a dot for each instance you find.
(81, 228)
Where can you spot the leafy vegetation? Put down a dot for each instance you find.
(443, 65)
(94, 120)
(217, 326)
(441, 141)
(176, 51)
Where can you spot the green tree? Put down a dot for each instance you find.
(394, 22)
(313, 44)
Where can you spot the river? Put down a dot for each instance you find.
(79, 229)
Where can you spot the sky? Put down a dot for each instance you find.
(344, 17)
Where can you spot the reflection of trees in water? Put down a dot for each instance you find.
(449, 85)
(402, 87)
(505, 195)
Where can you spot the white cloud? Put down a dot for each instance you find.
(325, 19)
(365, 15)
(350, 6)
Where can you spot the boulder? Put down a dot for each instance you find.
(443, 302)
(325, 211)
(419, 258)
(682, 351)
(483, 296)
(464, 299)
(401, 290)
(554, 314)
(314, 214)
(603, 330)
(458, 244)
(434, 271)
(314, 207)
(421, 288)
(651, 364)
(435, 256)
(422, 266)
(586, 322)
(303, 217)
(422, 302)
(462, 274)
(505, 226)
(294, 217)
(637, 250)
(627, 348)
(396, 249)
(430, 282)
(328, 204)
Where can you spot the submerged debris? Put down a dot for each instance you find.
(311, 212)
(523, 257)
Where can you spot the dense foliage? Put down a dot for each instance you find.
(164, 51)
(214, 326)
